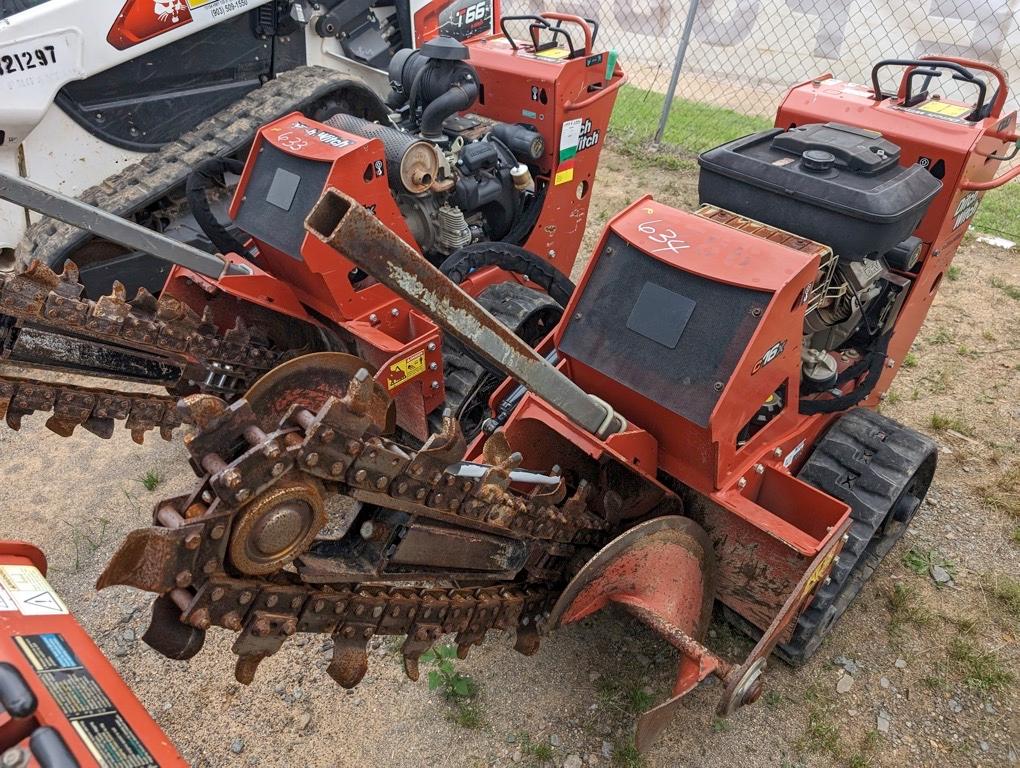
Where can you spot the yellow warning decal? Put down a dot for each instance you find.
(406, 369)
(193, 4)
(563, 176)
(553, 53)
(943, 108)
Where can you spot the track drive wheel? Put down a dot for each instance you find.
(882, 470)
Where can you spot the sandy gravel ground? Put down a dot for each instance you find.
(932, 670)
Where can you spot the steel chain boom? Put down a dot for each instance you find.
(45, 322)
(243, 551)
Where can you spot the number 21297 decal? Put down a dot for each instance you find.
(23, 61)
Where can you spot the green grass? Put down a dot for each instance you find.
(691, 128)
(954, 272)
(626, 755)
(981, 669)
(1006, 591)
(151, 480)
(942, 423)
(999, 213)
(1013, 291)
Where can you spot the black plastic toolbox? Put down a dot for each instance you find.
(832, 183)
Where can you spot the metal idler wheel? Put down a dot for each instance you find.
(309, 381)
(275, 528)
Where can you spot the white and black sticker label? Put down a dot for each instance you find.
(28, 590)
(40, 61)
(94, 717)
(966, 209)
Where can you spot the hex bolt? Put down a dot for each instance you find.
(232, 621)
(200, 619)
(193, 541)
(232, 479)
(319, 606)
(183, 579)
(217, 594)
(759, 468)
(431, 346)
(278, 469)
(395, 312)
(433, 366)
(245, 597)
(290, 627)
(217, 532)
(312, 459)
(210, 566)
(360, 475)
(271, 601)
(434, 385)
(778, 453)
(261, 628)
(381, 482)
(742, 482)
(243, 495)
(328, 435)
(271, 450)
(373, 319)
(337, 469)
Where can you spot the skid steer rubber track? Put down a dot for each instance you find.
(882, 470)
(312, 90)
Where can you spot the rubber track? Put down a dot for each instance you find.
(867, 461)
(512, 304)
(148, 180)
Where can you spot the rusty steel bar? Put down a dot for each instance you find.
(132, 236)
(344, 225)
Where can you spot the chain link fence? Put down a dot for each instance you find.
(738, 57)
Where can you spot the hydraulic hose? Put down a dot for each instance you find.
(200, 181)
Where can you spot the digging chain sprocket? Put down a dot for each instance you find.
(164, 331)
(197, 555)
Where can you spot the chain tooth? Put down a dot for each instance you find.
(70, 281)
(41, 275)
(61, 425)
(144, 303)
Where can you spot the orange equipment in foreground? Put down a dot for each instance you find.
(64, 705)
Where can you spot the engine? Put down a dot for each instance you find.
(843, 187)
(457, 178)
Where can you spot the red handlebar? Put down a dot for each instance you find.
(569, 17)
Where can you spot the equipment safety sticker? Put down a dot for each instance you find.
(23, 588)
(404, 370)
(570, 135)
(94, 717)
(40, 61)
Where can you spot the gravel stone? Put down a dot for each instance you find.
(237, 746)
(573, 761)
(555, 740)
(883, 721)
(844, 684)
